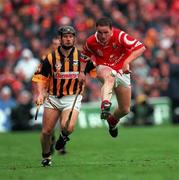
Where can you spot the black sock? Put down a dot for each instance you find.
(46, 155)
(64, 134)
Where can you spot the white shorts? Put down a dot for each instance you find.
(120, 79)
(123, 80)
(64, 103)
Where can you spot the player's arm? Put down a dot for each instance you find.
(40, 81)
(133, 56)
(84, 58)
(40, 93)
(134, 46)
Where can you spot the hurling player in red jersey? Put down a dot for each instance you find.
(112, 51)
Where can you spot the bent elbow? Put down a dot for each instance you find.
(143, 48)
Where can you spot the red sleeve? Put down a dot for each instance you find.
(86, 52)
(129, 42)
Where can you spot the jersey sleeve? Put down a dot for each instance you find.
(129, 42)
(42, 72)
(86, 53)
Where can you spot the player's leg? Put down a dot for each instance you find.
(52, 142)
(64, 136)
(104, 75)
(66, 131)
(122, 89)
(50, 117)
(123, 95)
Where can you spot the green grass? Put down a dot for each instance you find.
(148, 153)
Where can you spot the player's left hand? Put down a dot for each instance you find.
(81, 77)
(126, 69)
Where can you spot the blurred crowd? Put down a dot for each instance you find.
(28, 26)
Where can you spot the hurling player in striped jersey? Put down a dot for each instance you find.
(112, 51)
(58, 87)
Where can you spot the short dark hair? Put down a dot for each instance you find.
(104, 21)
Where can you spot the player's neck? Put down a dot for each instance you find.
(104, 43)
(65, 52)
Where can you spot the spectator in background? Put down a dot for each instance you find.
(8, 78)
(21, 114)
(31, 24)
(55, 42)
(142, 111)
(174, 88)
(140, 73)
(6, 103)
(26, 66)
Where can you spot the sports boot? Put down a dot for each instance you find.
(46, 162)
(61, 142)
(46, 159)
(105, 109)
(62, 151)
(113, 129)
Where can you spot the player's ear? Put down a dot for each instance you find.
(59, 38)
(74, 39)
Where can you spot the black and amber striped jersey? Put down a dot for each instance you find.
(90, 69)
(60, 73)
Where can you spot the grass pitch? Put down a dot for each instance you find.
(140, 153)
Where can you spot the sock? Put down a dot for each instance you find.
(46, 155)
(112, 121)
(64, 136)
(105, 102)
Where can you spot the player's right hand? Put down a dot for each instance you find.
(81, 77)
(40, 99)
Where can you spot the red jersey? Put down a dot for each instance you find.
(120, 46)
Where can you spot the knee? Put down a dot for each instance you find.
(47, 132)
(125, 110)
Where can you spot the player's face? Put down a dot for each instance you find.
(55, 44)
(68, 40)
(103, 33)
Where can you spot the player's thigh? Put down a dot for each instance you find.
(123, 95)
(65, 115)
(50, 117)
(104, 73)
